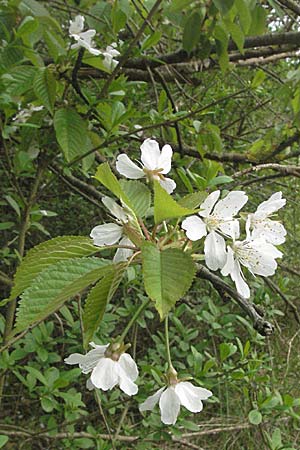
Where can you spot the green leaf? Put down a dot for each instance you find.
(151, 40)
(44, 86)
(236, 34)
(32, 7)
(138, 194)
(226, 350)
(47, 253)
(165, 207)
(193, 200)
(258, 24)
(3, 440)
(255, 417)
(20, 80)
(109, 180)
(192, 32)
(54, 286)
(244, 14)
(47, 404)
(98, 298)
(27, 26)
(224, 6)
(168, 274)
(71, 133)
(258, 79)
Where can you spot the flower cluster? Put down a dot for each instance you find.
(85, 39)
(110, 366)
(217, 221)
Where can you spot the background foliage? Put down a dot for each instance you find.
(219, 81)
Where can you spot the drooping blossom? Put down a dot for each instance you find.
(216, 218)
(83, 38)
(155, 164)
(258, 224)
(109, 366)
(111, 233)
(110, 53)
(24, 114)
(257, 255)
(182, 393)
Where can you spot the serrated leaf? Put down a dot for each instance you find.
(98, 298)
(165, 207)
(191, 32)
(194, 200)
(54, 286)
(33, 7)
(110, 181)
(168, 274)
(44, 86)
(47, 253)
(20, 80)
(138, 194)
(71, 133)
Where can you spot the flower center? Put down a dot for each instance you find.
(212, 222)
(154, 174)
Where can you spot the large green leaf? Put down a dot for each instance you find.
(44, 86)
(71, 133)
(165, 207)
(20, 80)
(55, 285)
(47, 253)
(98, 298)
(168, 274)
(110, 181)
(192, 31)
(138, 194)
(193, 200)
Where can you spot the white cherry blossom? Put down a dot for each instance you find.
(155, 164)
(216, 218)
(111, 233)
(109, 54)
(83, 38)
(257, 255)
(108, 368)
(182, 393)
(258, 224)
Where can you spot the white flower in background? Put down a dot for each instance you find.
(108, 367)
(182, 393)
(257, 255)
(213, 219)
(24, 114)
(83, 38)
(111, 233)
(155, 164)
(109, 54)
(258, 224)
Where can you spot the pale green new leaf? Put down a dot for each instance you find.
(165, 207)
(192, 32)
(168, 274)
(44, 86)
(54, 286)
(71, 133)
(193, 200)
(46, 254)
(138, 194)
(98, 298)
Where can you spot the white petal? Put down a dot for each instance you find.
(190, 396)
(270, 230)
(262, 258)
(169, 404)
(106, 374)
(208, 204)
(126, 383)
(151, 401)
(129, 366)
(215, 251)
(115, 209)
(94, 51)
(89, 384)
(229, 265)
(168, 184)
(271, 205)
(150, 154)
(87, 35)
(122, 254)
(89, 361)
(195, 228)
(230, 228)
(230, 205)
(126, 167)
(107, 234)
(76, 25)
(165, 159)
(241, 285)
